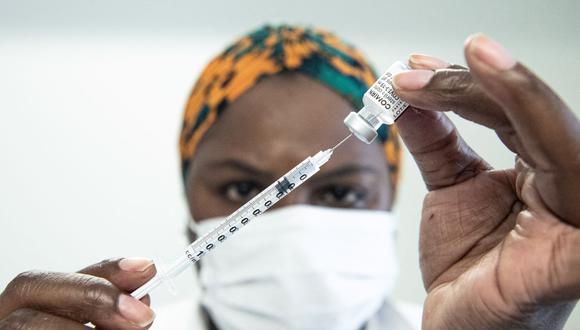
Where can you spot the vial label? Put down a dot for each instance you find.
(383, 94)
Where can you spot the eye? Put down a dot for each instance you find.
(343, 196)
(240, 191)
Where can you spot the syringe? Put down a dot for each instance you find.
(240, 218)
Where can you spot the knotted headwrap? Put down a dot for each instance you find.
(270, 50)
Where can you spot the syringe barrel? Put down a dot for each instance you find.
(241, 217)
(256, 206)
(163, 274)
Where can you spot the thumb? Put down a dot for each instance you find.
(548, 131)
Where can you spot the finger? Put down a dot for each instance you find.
(426, 62)
(450, 89)
(127, 274)
(26, 318)
(442, 156)
(80, 297)
(547, 128)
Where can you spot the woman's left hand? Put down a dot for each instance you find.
(500, 249)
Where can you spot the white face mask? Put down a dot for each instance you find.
(300, 267)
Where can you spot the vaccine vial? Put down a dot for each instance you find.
(381, 106)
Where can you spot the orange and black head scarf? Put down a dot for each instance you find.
(271, 50)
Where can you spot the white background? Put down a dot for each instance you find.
(91, 96)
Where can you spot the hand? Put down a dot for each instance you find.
(499, 248)
(96, 294)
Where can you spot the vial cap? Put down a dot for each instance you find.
(360, 128)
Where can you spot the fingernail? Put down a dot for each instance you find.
(422, 61)
(135, 311)
(135, 264)
(413, 79)
(490, 52)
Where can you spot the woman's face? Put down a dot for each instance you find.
(270, 129)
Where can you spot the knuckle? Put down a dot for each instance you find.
(22, 283)
(107, 262)
(21, 278)
(98, 293)
(101, 268)
(452, 79)
(457, 89)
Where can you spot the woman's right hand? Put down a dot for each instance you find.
(499, 248)
(96, 294)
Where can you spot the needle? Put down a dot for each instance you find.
(341, 142)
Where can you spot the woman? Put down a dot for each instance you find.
(268, 101)
(498, 248)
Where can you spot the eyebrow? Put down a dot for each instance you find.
(240, 166)
(346, 170)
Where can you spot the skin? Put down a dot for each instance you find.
(50, 300)
(267, 131)
(498, 247)
(270, 129)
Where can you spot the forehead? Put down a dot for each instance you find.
(281, 120)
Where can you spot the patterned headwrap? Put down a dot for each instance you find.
(271, 50)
